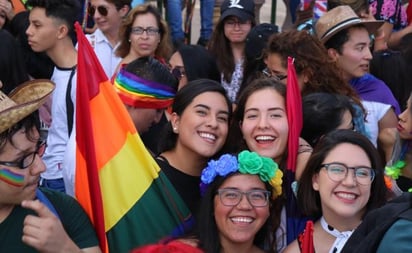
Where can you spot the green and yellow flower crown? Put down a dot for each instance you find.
(246, 163)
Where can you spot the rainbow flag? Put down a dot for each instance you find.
(128, 198)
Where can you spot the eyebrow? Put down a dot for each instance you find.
(208, 108)
(270, 109)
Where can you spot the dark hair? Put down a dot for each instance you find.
(235, 141)
(322, 113)
(12, 68)
(198, 63)
(207, 230)
(220, 47)
(311, 58)
(151, 69)
(164, 48)
(339, 39)
(182, 99)
(27, 124)
(309, 199)
(65, 10)
(391, 67)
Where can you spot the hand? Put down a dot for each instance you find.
(7, 8)
(45, 232)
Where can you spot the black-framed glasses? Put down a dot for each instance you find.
(268, 73)
(232, 197)
(232, 23)
(339, 171)
(178, 72)
(150, 31)
(28, 159)
(101, 9)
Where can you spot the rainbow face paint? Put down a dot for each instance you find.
(11, 178)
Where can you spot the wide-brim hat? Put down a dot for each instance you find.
(22, 101)
(340, 18)
(242, 9)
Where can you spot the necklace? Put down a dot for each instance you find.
(341, 237)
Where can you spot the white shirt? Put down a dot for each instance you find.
(104, 52)
(58, 135)
(374, 113)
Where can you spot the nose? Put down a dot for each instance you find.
(37, 167)
(402, 116)
(212, 121)
(28, 30)
(368, 54)
(244, 203)
(262, 123)
(350, 178)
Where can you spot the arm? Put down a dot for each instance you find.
(292, 248)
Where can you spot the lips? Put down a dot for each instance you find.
(209, 137)
(400, 128)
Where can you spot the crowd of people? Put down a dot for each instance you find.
(216, 118)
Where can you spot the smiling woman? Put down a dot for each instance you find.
(196, 132)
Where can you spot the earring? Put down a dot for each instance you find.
(130, 40)
(175, 130)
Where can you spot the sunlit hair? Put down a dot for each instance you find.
(309, 199)
(312, 60)
(164, 48)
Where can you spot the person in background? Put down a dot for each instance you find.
(228, 42)
(143, 33)
(108, 16)
(51, 24)
(34, 219)
(342, 182)
(196, 132)
(175, 21)
(191, 62)
(348, 46)
(324, 112)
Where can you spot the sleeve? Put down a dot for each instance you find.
(399, 234)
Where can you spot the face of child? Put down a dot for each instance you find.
(264, 125)
(405, 121)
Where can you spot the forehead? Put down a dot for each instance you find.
(348, 153)
(358, 34)
(211, 99)
(243, 182)
(145, 19)
(101, 2)
(267, 97)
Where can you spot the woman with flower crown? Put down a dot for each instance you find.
(260, 124)
(240, 193)
(342, 182)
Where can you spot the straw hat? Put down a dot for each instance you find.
(340, 18)
(22, 101)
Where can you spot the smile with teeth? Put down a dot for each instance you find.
(209, 136)
(241, 219)
(349, 196)
(264, 138)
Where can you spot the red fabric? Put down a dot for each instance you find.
(294, 112)
(88, 83)
(306, 239)
(409, 12)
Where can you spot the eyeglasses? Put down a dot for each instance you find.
(178, 72)
(28, 159)
(101, 9)
(232, 23)
(232, 197)
(339, 171)
(150, 31)
(268, 73)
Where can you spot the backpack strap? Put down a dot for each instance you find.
(43, 199)
(69, 102)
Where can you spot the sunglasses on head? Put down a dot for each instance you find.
(101, 9)
(178, 72)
